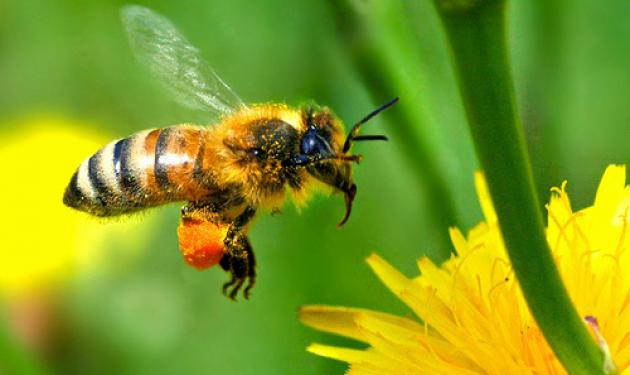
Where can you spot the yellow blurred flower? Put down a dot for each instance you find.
(474, 318)
(43, 241)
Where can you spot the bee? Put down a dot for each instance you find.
(227, 172)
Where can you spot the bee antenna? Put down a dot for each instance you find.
(353, 134)
(378, 137)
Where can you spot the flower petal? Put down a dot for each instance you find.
(484, 198)
(343, 320)
(394, 280)
(340, 354)
(610, 190)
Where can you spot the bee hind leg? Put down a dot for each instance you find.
(239, 256)
(226, 264)
(236, 266)
(240, 263)
(251, 269)
(239, 274)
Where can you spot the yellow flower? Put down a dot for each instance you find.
(43, 242)
(473, 316)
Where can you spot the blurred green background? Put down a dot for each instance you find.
(150, 313)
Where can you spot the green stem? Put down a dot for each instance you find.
(381, 46)
(476, 31)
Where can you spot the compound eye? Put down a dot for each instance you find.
(255, 153)
(310, 144)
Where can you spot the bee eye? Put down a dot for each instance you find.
(255, 153)
(309, 144)
(313, 143)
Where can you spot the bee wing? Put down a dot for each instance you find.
(176, 63)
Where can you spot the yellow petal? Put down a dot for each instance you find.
(458, 240)
(609, 198)
(395, 329)
(622, 214)
(484, 198)
(343, 320)
(340, 354)
(394, 280)
(611, 187)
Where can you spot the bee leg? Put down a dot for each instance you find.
(235, 268)
(238, 254)
(238, 266)
(226, 264)
(251, 269)
(237, 261)
(200, 212)
(236, 228)
(239, 273)
(241, 268)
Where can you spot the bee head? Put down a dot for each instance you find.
(324, 152)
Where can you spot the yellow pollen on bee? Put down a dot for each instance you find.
(292, 118)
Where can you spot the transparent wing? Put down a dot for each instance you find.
(176, 63)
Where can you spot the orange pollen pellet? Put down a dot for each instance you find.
(201, 242)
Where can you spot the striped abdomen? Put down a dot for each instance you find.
(146, 169)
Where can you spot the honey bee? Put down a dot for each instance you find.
(226, 172)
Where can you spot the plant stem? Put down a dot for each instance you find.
(476, 31)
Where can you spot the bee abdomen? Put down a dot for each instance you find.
(144, 170)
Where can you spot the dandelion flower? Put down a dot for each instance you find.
(472, 316)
